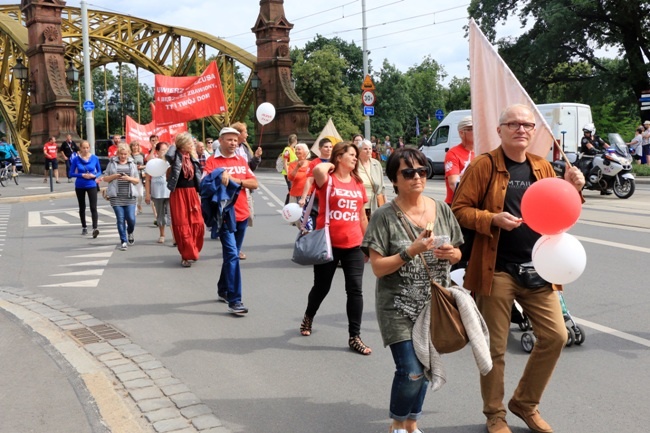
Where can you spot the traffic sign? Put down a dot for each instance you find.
(88, 106)
(440, 114)
(368, 111)
(368, 97)
(368, 84)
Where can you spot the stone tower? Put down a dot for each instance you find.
(53, 111)
(274, 70)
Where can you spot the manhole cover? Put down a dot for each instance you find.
(96, 334)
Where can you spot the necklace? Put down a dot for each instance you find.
(419, 221)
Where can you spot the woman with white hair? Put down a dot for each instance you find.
(372, 175)
(297, 172)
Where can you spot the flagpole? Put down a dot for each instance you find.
(364, 33)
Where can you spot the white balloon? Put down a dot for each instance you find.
(559, 259)
(458, 276)
(291, 212)
(265, 113)
(156, 167)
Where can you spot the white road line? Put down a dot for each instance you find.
(273, 196)
(93, 272)
(34, 219)
(95, 255)
(91, 263)
(614, 332)
(618, 227)
(85, 283)
(614, 244)
(56, 220)
(106, 212)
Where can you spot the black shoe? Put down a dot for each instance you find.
(606, 192)
(222, 298)
(84, 231)
(131, 239)
(237, 308)
(95, 233)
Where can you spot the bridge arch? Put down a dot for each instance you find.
(118, 38)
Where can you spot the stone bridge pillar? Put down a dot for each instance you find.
(274, 70)
(53, 111)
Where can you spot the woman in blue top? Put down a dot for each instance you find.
(85, 169)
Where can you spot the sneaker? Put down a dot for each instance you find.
(131, 240)
(237, 308)
(95, 233)
(14, 174)
(69, 180)
(222, 298)
(84, 231)
(124, 247)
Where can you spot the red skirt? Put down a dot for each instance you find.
(187, 222)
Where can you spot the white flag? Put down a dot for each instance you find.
(493, 88)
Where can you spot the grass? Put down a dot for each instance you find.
(641, 170)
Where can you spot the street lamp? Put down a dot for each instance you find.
(72, 73)
(255, 81)
(20, 72)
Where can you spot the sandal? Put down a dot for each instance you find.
(357, 345)
(242, 256)
(161, 240)
(305, 326)
(185, 263)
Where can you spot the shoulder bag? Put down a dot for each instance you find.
(314, 247)
(381, 198)
(446, 330)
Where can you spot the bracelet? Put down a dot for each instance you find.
(405, 256)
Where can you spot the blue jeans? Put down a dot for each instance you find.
(125, 220)
(409, 383)
(230, 279)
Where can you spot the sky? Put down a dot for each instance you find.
(402, 31)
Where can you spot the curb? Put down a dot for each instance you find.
(37, 197)
(133, 391)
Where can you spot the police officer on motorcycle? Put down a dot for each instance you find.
(590, 145)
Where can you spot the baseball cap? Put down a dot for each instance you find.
(228, 130)
(647, 122)
(465, 123)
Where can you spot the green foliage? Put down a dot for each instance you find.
(641, 169)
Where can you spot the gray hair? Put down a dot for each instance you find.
(302, 146)
(366, 142)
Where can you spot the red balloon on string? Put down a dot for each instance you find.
(551, 206)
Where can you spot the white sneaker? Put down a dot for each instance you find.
(124, 247)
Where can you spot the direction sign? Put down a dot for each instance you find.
(88, 106)
(368, 111)
(368, 97)
(440, 114)
(368, 84)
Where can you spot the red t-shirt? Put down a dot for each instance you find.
(238, 168)
(456, 161)
(346, 204)
(50, 149)
(299, 180)
(112, 150)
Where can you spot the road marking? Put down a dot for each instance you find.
(97, 255)
(273, 196)
(92, 263)
(618, 227)
(614, 244)
(614, 332)
(85, 283)
(93, 272)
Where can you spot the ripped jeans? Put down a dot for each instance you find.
(409, 383)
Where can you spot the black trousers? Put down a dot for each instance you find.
(92, 201)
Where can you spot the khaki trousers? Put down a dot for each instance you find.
(545, 315)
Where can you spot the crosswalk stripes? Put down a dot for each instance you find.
(68, 217)
(5, 210)
(77, 259)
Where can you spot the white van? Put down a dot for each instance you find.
(567, 117)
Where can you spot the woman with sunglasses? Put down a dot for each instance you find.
(403, 286)
(347, 224)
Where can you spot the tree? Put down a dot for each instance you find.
(426, 92)
(569, 32)
(394, 110)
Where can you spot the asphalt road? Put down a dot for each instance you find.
(260, 376)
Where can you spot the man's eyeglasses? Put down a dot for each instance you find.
(514, 126)
(209, 141)
(409, 173)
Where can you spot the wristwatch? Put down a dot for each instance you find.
(404, 255)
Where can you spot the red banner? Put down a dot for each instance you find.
(135, 131)
(181, 99)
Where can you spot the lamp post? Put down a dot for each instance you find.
(72, 77)
(20, 72)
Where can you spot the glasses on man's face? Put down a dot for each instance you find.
(409, 173)
(514, 126)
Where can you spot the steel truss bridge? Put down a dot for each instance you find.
(116, 38)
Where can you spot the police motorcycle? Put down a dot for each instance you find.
(608, 170)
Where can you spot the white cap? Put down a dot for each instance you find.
(228, 130)
(465, 123)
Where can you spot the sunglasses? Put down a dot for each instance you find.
(409, 173)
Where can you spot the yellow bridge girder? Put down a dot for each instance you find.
(158, 48)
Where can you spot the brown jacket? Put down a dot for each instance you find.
(470, 191)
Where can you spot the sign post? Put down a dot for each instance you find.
(368, 99)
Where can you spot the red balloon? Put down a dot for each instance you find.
(551, 206)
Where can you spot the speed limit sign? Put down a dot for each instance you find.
(368, 98)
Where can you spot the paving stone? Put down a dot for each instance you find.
(131, 375)
(145, 393)
(185, 399)
(59, 318)
(162, 414)
(143, 358)
(99, 348)
(159, 373)
(196, 410)
(120, 342)
(78, 313)
(117, 361)
(206, 421)
(110, 356)
(174, 389)
(91, 322)
(138, 383)
(154, 404)
(170, 425)
(166, 381)
(190, 429)
(131, 350)
(84, 316)
(150, 365)
(72, 326)
(67, 322)
(123, 368)
(221, 429)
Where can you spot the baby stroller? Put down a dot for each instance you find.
(575, 333)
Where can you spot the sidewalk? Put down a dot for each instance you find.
(31, 188)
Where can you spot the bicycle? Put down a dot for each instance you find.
(6, 173)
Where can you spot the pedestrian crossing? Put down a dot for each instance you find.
(95, 259)
(5, 210)
(68, 217)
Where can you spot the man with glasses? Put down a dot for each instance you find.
(503, 241)
(458, 157)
